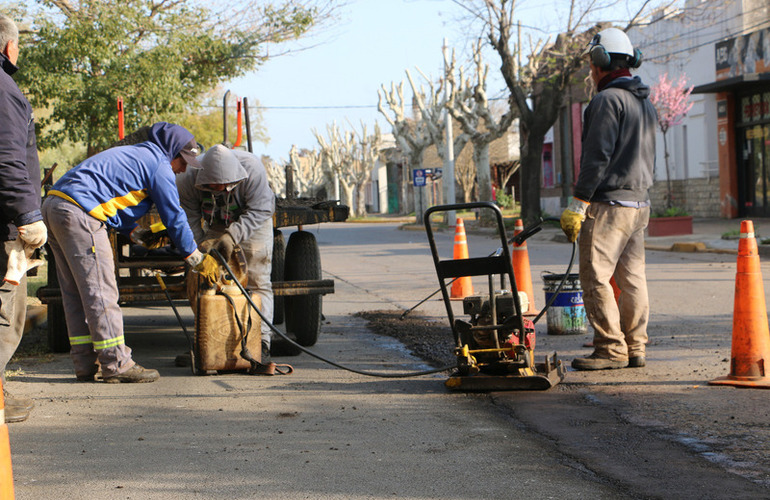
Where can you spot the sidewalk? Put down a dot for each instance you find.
(707, 237)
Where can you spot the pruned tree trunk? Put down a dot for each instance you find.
(483, 173)
(469, 105)
(411, 136)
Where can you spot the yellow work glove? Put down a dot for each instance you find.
(148, 238)
(208, 269)
(205, 265)
(572, 218)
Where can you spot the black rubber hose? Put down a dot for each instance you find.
(311, 353)
(379, 374)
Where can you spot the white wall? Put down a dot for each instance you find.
(682, 43)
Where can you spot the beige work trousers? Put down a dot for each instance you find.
(612, 244)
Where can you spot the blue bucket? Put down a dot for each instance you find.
(567, 314)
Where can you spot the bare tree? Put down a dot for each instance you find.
(507, 170)
(469, 105)
(538, 87)
(412, 135)
(366, 154)
(276, 175)
(433, 112)
(338, 153)
(465, 173)
(308, 170)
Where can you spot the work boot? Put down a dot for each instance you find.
(17, 409)
(596, 362)
(135, 374)
(636, 362)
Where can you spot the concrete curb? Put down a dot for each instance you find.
(692, 247)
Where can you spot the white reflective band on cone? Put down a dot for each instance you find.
(2, 416)
(747, 235)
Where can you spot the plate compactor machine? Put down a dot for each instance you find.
(495, 349)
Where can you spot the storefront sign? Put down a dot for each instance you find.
(743, 55)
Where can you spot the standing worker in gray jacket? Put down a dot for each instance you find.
(611, 205)
(22, 223)
(229, 202)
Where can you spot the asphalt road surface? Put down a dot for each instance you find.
(656, 432)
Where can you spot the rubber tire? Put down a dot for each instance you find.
(58, 340)
(277, 274)
(303, 312)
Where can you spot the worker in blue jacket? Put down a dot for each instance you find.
(112, 190)
(21, 223)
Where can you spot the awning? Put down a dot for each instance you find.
(750, 82)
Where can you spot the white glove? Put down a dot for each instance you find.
(19, 261)
(194, 258)
(34, 235)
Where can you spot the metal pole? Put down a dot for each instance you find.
(449, 158)
(248, 123)
(224, 118)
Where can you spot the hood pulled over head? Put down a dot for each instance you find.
(172, 139)
(219, 166)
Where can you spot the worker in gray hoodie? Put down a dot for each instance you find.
(229, 202)
(611, 204)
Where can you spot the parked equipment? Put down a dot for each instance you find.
(495, 348)
(296, 272)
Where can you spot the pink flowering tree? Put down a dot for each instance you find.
(671, 100)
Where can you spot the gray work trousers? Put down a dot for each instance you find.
(612, 244)
(85, 267)
(13, 314)
(258, 250)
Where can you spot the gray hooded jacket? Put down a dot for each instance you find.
(243, 208)
(618, 156)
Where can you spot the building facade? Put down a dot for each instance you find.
(719, 156)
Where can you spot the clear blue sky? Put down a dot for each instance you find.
(374, 44)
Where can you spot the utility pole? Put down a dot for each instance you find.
(449, 158)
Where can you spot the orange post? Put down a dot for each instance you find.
(121, 130)
(463, 286)
(521, 270)
(239, 123)
(6, 471)
(750, 358)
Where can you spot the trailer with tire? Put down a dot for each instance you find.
(296, 275)
(298, 284)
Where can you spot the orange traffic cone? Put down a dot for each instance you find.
(750, 358)
(616, 293)
(6, 471)
(461, 287)
(521, 271)
(615, 288)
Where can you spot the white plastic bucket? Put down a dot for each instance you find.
(567, 314)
